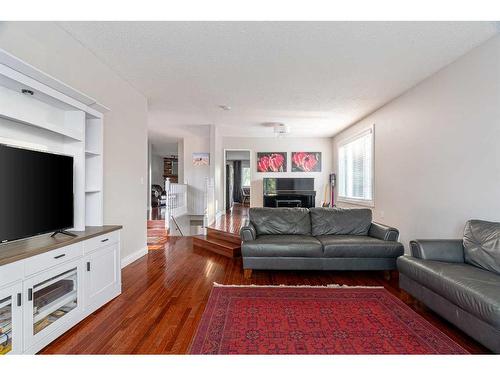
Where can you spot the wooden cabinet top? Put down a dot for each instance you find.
(22, 249)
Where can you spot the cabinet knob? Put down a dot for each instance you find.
(88, 266)
(19, 299)
(104, 240)
(59, 256)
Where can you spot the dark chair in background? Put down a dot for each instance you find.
(245, 193)
(158, 196)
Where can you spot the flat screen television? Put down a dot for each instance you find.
(36, 193)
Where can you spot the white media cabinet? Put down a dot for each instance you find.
(49, 284)
(40, 112)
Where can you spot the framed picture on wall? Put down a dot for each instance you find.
(306, 161)
(201, 158)
(271, 161)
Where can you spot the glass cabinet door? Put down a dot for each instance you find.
(11, 319)
(6, 313)
(53, 298)
(53, 304)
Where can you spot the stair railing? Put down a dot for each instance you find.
(177, 225)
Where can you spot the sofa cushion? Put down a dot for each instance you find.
(475, 290)
(351, 246)
(280, 220)
(325, 221)
(285, 245)
(482, 244)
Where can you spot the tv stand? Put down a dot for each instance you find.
(63, 232)
(91, 261)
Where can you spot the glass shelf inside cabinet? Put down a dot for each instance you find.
(5, 325)
(54, 298)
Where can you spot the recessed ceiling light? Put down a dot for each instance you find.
(225, 107)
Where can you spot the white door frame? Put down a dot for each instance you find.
(224, 173)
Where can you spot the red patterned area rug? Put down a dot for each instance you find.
(314, 320)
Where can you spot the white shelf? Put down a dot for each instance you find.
(92, 153)
(9, 114)
(53, 90)
(54, 306)
(6, 303)
(93, 135)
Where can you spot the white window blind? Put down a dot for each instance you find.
(355, 180)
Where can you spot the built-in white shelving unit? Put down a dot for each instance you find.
(93, 171)
(54, 117)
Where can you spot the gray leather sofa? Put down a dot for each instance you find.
(459, 279)
(317, 239)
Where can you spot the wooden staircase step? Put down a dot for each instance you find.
(226, 236)
(216, 245)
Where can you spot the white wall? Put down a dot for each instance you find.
(157, 169)
(237, 155)
(216, 200)
(49, 48)
(150, 174)
(437, 153)
(164, 149)
(180, 150)
(157, 163)
(287, 144)
(195, 176)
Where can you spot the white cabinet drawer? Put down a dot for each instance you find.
(52, 258)
(101, 241)
(11, 273)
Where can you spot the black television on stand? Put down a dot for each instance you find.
(36, 193)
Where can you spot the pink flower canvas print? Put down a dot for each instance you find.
(306, 161)
(271, 161)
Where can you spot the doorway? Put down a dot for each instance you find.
(163, 159)
(237, 178)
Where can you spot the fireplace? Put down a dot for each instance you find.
(289, 192)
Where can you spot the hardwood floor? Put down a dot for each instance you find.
(165, 293)
(157, 235)
(157, 213)
(232, 221)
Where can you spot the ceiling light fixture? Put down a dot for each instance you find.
(225, 107)
(281, 129)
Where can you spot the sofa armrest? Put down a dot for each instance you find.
(442, 250)
(247, 232)
(383, 232)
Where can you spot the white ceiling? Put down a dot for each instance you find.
(317, 77)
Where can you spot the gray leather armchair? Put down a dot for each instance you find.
(468, 296)
(317, 239)
(247, 232)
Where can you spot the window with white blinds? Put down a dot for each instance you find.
(355, 179)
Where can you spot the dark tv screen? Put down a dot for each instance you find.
(36, 193)
(273, 185)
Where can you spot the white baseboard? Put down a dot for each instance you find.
(133, 257)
